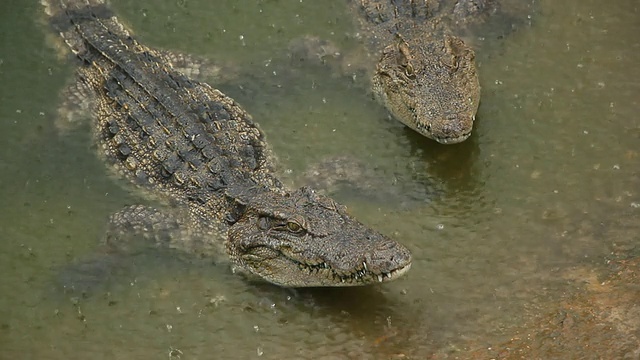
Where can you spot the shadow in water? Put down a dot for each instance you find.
(377, 315)
(453, 172)
(371, 313)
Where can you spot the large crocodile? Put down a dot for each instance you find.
(425, 75)
(195, 148)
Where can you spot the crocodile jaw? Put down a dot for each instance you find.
(279, 269)
(304, 239)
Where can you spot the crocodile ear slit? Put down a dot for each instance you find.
(404, 54)
(236, 213)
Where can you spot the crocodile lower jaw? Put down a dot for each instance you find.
(362, 276)
(394, 274)
(453, 140)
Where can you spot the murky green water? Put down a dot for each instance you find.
(548, 182)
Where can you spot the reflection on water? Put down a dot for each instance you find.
(548, 183)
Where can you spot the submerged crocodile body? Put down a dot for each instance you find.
(425, 76)
(195, 148)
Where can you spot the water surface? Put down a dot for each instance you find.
(547, 183)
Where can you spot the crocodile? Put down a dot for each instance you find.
(200, 154)
(425, 75)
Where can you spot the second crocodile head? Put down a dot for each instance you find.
(431, 85)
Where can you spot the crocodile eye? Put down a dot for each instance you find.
(408, 70)
(294, 227)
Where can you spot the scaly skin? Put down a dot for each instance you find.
(425, 76)
(197, 149)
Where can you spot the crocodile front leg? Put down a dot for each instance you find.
(137, 228)
(131, 232)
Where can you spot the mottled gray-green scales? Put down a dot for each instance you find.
(190, 145)
(425, 74)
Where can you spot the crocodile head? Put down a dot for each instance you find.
(431, 85)
(304, 239)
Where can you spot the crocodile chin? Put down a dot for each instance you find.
(308, 240)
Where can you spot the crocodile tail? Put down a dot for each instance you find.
(69, 17)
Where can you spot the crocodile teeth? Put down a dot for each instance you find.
(364, 265)
(380, 278)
